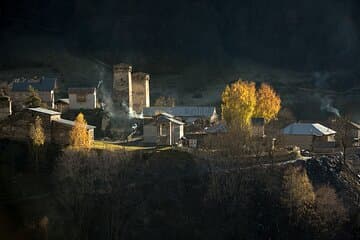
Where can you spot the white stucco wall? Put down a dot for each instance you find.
(89, 103)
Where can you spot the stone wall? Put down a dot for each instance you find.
(5, 107)
(140, 91)
(122, 85)
(61, 133)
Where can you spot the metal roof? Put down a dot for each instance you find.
(44, 110)
(314, 129)
(170, 118)
(43, 85)
(182, 111)
(63, 100)
(176, 121)
(71, 123)
(166, 115)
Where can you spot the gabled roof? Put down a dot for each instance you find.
(71, 123)
(63, 100)
(313, 129)
(42, 85)
(44, 110)
(355, 125)
(170, 118)
(166, 115)
(182, 111)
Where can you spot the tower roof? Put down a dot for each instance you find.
(122, 66)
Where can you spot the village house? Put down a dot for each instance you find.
(309, 135)
(190, 114)
(5, 107)
(45, 86)
(163, 129)
(56, 129)
(62, 105)
(354, 132)
(82, 98)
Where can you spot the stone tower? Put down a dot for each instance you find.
(140, 91)
(122, 85)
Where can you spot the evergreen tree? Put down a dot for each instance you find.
(33, 100)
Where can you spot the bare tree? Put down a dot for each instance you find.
(343, 128)
(330, 212)
(298, 194)
(96, 189)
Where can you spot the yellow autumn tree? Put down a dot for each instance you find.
(268, 103)
(79, 136)
(37, 137)
(238, 103)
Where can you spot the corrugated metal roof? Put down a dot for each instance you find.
(182, 111)
(44, 110)
(314, 129)
(43, 85)
(71, 123)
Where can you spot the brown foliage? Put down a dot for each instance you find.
(330, 211)
(298, 194)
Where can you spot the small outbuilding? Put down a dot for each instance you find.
(62, 105)
(82, 98)
(163, 129)
(309, 135)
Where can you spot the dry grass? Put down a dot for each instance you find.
(101, 145)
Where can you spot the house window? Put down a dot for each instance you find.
(81, 98)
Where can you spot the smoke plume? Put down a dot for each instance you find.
(327, 105)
